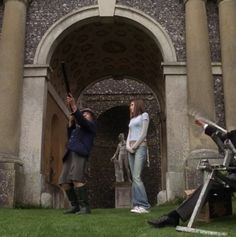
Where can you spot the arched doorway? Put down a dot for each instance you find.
(94, 50)
(102, 181)
(110, 124)
(113, 118)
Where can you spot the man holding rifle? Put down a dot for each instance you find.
(81, 134)
(185, 210)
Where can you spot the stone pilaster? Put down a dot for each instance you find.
(34, 104)
(227, 18)
(177, 128)
(199, 73)
(11, 75)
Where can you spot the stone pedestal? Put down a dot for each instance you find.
(123, 195)
(9, 187)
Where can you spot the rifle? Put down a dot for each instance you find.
(65, 78)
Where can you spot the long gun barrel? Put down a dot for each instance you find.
(65, 78)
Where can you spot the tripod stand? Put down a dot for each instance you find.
(212, 172)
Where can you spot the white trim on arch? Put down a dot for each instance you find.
(90, 14)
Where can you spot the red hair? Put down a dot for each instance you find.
(138, 107)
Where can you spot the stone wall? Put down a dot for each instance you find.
(219, 100)
(41, 15)
(213, 26)
(168, 13)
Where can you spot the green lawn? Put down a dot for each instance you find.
(101, 223)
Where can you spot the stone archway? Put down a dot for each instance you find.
(91, 14)
(111, 123)
(160, 44)
(102, 185)
(113, 118)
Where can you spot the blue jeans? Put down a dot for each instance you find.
(136, 162)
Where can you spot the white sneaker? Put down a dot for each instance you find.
(134, 209)
(140, 210)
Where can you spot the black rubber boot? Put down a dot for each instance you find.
(72, 197)
(82, 195)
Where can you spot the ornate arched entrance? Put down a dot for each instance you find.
(129, 45)
(113, 118)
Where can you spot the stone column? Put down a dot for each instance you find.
(199, 72)
(32, 137)
(11, 75)
(227, 18)
(177, 128)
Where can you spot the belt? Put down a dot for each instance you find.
(144, 143)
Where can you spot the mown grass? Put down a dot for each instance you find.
(101, 223)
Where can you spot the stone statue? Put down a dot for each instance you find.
(120, 159)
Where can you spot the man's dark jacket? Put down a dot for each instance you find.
(81, 136)
(210, 130)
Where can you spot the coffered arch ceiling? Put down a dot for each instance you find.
(107, 50)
